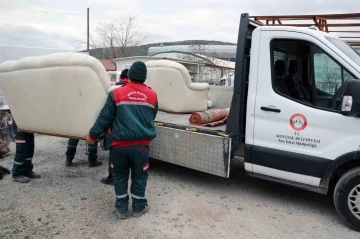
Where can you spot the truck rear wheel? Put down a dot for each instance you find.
(347, 198)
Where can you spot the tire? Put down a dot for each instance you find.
(346, 186)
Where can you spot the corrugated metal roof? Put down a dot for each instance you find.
(108, 64)
(219, 48)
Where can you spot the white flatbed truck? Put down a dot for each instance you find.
(295, 126)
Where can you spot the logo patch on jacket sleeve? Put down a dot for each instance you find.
(145, 166)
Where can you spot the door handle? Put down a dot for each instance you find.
(270, 109)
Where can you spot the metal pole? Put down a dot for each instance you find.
(88, 31)
(198, 73)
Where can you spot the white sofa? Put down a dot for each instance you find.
(59, 94)
(176, 93)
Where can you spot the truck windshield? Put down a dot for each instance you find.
(346, 49)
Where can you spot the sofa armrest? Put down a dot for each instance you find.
(199, 86)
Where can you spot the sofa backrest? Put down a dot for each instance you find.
(172, 83)
(57, 94)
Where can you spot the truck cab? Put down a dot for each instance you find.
(294, 103)
(292, 88)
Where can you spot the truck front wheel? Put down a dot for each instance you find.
(347, 198)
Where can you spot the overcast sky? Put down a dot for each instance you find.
(161, 20)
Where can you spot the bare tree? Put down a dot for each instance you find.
(128, 36)
(106, 34)
(118, 38)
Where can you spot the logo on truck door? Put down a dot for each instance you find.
(298, 122)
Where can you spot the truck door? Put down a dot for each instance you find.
(298, 130)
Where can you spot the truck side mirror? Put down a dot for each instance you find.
(351, 98)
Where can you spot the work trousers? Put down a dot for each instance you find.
(25, 146)
(110, 166)
(71, 150)
(136, 159)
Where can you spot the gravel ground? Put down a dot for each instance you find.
(72, 203)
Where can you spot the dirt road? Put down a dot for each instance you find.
(70, 202)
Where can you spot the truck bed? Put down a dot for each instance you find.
(221, 98)
(207, 149)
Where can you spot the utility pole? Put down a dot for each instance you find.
(88, 31)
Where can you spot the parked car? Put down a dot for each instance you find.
(221, 82)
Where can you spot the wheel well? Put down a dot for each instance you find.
(339, 171)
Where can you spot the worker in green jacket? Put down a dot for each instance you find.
(127, 119)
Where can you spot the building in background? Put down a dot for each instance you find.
(214, 62)
(357, 48)
(200, 68)
(224, 52)
(109, 65)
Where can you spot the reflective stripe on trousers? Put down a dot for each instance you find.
(137, 197)
(121, 196)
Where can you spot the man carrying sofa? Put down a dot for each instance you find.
(124, 79)
(127, 119)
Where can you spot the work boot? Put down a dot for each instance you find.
(139, 214)
(121, 215)
(20, 179)
(108, 180)
(94, 163)
(31, 174)
(68, 162)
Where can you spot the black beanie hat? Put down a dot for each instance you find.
(124, 74)
(138, 71)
